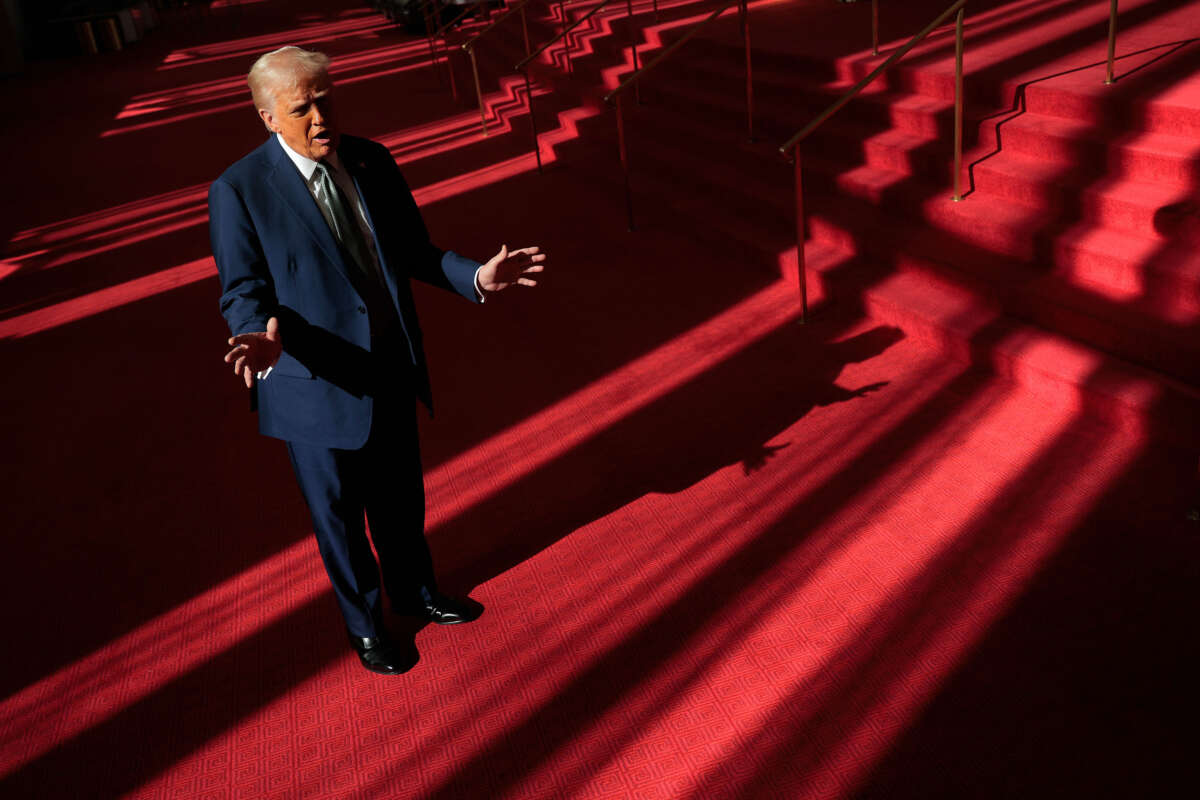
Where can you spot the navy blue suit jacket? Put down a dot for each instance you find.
(277, 256)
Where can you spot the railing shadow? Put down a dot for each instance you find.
(1019, 105)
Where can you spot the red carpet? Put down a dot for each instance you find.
(931, 545)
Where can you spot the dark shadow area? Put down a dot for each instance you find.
(134, 475)
(68, 168)
(1077, 691)
(1179, 220)
(984, 83)
(728, 415)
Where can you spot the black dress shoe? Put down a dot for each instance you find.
(383, 655)
(439, 609)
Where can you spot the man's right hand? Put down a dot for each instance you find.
(254, 352)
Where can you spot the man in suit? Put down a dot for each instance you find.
(316, 235)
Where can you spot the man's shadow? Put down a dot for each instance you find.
(730, 414)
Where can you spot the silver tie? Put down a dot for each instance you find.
(345, 228)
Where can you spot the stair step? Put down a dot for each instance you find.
(1156, 284)
(1156, 157)
(1122, 304)
(786, 102)
(1169, 110)
(751, 232)
(1136, 328)
(955, 320)
(1147, 157)
(1121, 263)
(1130, 205)
(1065, 232)
(964, 318)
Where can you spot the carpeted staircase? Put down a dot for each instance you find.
(1070, 264)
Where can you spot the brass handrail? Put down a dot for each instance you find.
(853, 92)
(425, 8)
(521, 64)
(874, 27)
(793, 144)
(469, 47)
(430, 10)
(449, 66)
(633, 79)
(524, 64)
(1112, 42)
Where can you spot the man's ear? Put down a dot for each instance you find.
(268, 119)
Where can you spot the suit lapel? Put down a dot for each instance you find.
(357, 168)
(287, 181)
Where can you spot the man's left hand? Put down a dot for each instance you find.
(512, 266)
(255, 352)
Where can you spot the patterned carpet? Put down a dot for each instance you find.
(722, 555)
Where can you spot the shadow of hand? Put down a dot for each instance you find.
(758, 459)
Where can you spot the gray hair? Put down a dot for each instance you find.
(280, 68)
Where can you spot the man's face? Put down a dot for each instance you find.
(303, 116)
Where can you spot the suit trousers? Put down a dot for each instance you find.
(383, 480)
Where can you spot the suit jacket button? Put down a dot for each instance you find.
(362, 309)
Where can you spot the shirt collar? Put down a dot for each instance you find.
(305, 164)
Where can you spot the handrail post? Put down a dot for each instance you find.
(547, 47)
(1109, 79)
(450, 69)
(875, 73)
(429, 29)
(958, 104)
(801, 269)
(537, 146)
(745, 11)
(655, 12)
(874, 27)
(637, 90)
(624, 151)
(525, 31)
(478, 90)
